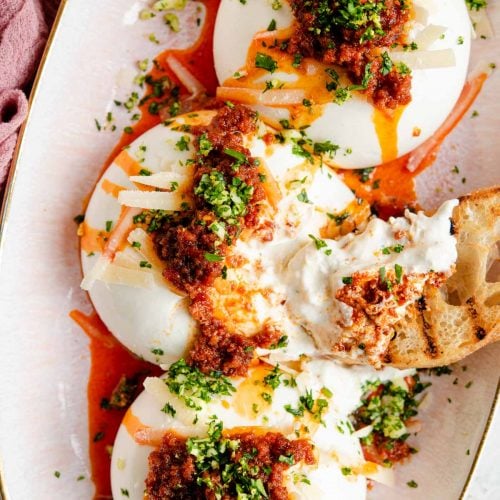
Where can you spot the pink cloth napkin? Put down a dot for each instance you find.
(23, 33)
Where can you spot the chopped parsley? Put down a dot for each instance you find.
(326, 147)
(398, 270)
(412, 484)
(365, 173)
(237, 155)
(315, 407)
(387, 64)
(319, 243)
(338, 218)
(297, 59)
(403, 69)
(204, 145)
(216, 455)
(266, 62)
(183, 143)
(153, 219)
(169, 409)
(476, 4)
(394, 249)
(273, 379)
(281, 344)
(387, 407)
(302, 196)
(213, 257)
(193, 387)
(228, 200)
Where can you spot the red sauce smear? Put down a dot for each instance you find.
(391, 187)
(110, 361)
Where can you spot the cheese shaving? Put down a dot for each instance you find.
(274, 97)
(151, 200)
(118, 275)
(426, 59)
(162, 180)
(95, 273)
(481, 24)
(429, 35)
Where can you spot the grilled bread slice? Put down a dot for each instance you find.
(445, 325)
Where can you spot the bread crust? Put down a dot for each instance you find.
(446, 325)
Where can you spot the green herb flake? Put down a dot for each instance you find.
(183, 143)
(387, 64)
(213, 257)
(266, 62)
(302, 196)
(319, 243)
(346, 471)
(169, 409)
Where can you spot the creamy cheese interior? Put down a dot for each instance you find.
(417, 244)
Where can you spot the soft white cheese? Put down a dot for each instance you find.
(315, 275)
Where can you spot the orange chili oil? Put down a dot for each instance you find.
(389, 188)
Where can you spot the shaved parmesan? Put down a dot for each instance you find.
(95, 273)
(426, 59)
(421, 14)
(162, 180)
(273, 97)
(193, 86)
(363, 432)
(481, 24)
(429, 35)
(151, 200)
(118, 275)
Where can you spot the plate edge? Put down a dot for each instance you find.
(10, 181)
(5, 208)
(484, 437)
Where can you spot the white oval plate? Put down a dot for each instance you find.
(45, 362)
